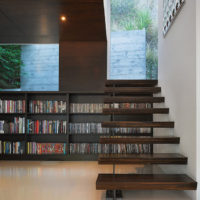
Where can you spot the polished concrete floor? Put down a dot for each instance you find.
(65, 181)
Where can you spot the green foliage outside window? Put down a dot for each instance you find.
(127, 15)
(10, 64)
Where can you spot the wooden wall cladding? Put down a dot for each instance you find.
(31, 21)
(85, 21)
(83, 65)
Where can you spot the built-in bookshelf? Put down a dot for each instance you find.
(61, 126)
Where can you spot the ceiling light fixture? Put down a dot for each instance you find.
(63, 18)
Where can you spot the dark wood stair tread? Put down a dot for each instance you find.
(131, 82)
(126, 111)
(137, 124)
(140, 99)
(139, 140)
(157, 158)
(132, 90)
(145, 182)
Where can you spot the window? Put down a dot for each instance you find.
(29, 67)
(134, 39)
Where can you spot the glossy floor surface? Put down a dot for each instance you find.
(65, 181)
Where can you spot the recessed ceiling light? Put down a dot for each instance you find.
(63, 18)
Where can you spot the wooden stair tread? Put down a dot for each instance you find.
(125, 111)
(137, 124)
(140, 99)
(131, 82)
(132, 90)
(139, 140)
(145, 182)
(157, 158)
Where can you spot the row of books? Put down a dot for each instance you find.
(87, 128)
(96, 128)
(95, 148)
(130, 130)
(60, 127)
(98, 107)
(130, 105)
(15, 127)
(46, 126)
(46, 148)
(13, 147)
(46, 106)
(38, 106)
(12, 106)
(87, 107)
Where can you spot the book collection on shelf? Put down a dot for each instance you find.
(130, 105)
(87, 128)
(60, 127)
(98, 108)
(131, 130)
(87, 107)
(18, 147)
(12, 106)
(7, 147)
(38, 106)
(95, 148)
(13, 147)
(96, 128)
(31, 122)
(46, 126)
(46, 148)
(15, 127)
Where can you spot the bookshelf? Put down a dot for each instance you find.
(70, 108)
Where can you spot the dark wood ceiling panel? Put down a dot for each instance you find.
(6, 24)
(37, 21)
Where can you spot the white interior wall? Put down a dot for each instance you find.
(177, 77)
(198, 92)
(107, 17)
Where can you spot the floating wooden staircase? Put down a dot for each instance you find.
(138, 92)
(136, 124)
(139, 140)
(145, 182)
(160, 158)
(131, 111)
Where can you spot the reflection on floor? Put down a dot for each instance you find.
(65, 181)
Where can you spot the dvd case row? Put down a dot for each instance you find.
(95, 148)
(96, 128)
(130, 105)
(46, 148)
(46, 126)
(130, 130)
(75, 148)
(87, 128)
(49, 106)
(87, 107)
(12, 106)
(60, 127)
(38, 106)
(98, 107)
